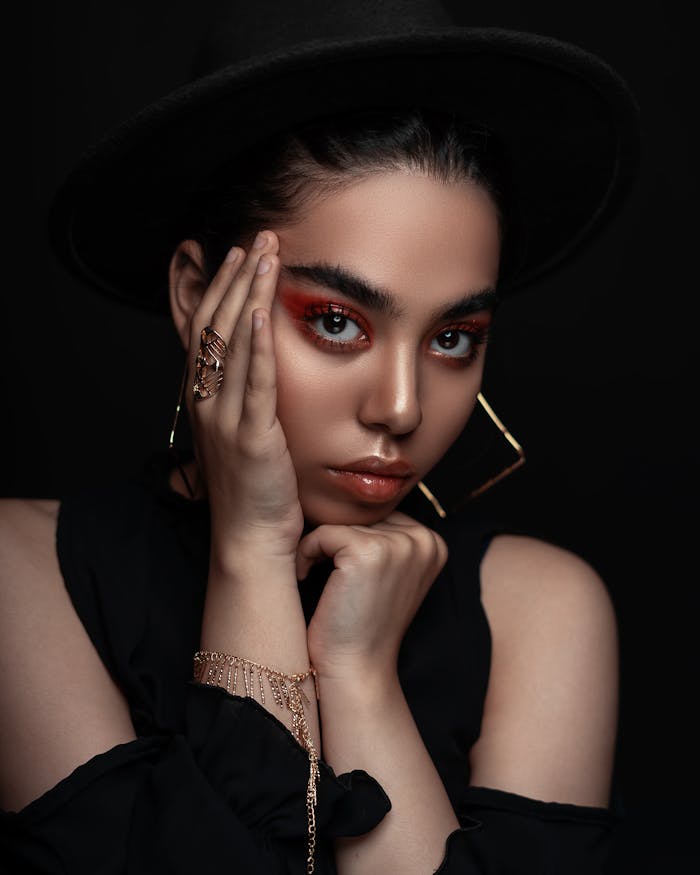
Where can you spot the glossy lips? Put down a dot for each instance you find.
(373, 479)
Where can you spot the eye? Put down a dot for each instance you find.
(453, 342)
(337, 326)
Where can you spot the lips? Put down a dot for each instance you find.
(373, 479)
(379, 467)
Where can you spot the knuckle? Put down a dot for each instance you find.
(203, 410)
(377, 551)
(253, 389)
(440, 552)
(407, 545)
(257, 442)
(248, 446)
(250, 260)
(260, 384)
(219, 425)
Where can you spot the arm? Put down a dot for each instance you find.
(550, 715)
(58, 705)
(252, 608)
(370, 724)
(229, 770)
(252, 605)
(234, 773)
(549, 722)
(382, 574)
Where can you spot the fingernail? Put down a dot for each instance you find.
(232, 254)
(257, 321)
(260, 241)
(263, 265)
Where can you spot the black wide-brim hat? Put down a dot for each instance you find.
(567, 121)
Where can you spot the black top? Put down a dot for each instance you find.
(214, 783)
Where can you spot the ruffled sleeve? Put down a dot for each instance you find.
(225, 796)
(506, 834)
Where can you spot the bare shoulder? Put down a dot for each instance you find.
(551, 708)
(58, 705)
(27, 535)
(523, 578)
(27, 511)
(34, 508)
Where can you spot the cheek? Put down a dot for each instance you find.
(295, 402)
(311, 400)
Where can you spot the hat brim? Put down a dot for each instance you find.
(568, 122)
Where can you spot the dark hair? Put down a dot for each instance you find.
(275, 183)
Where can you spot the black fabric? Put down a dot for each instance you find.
(214, 783)
(568, 123)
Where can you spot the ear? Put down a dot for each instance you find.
(187, 282)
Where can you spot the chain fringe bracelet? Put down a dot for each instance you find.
(213, 668)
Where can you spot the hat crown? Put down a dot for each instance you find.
(244, 30)
(568, 124)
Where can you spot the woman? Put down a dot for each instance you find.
(332, 272)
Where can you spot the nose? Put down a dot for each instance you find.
(391, 401)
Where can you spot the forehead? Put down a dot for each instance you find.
(410, 234)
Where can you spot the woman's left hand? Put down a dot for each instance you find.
(382, 574)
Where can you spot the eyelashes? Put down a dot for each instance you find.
(336, 326)
(459, 344)
(341, 329)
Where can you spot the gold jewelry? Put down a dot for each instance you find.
(171, 439)
(519, 462)
(433, 499)
(223, 670)
(209, 364)
(174, 454)
(439, 509)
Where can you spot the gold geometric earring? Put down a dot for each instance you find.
(171, 441)
(519, 462)
(439, 509)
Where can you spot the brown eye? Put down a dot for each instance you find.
(336, 326)
(448, 339)
(334, 323)
(453, 342)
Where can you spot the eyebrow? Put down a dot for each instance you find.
(483, 299)
(380, 300)
(354, 287)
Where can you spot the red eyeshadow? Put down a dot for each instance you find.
(297, 303)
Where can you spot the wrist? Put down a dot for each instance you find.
(232, 537)
(240, 561)
(359, 689)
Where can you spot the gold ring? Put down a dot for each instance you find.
(209, 364)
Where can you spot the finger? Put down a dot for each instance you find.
(396, 518)
(322, 543)
(230, 307)
(425, 538)
(261, 295)
(260, 401)
(211, 298)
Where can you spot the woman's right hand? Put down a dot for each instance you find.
(240, 446)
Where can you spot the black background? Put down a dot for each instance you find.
(594, 372)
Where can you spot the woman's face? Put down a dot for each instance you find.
(383, 306)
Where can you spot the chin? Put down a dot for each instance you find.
(318, 513)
